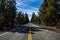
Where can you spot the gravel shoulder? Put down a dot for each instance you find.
(51, 28)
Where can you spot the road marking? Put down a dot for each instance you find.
(29, 35)
(3, 34)
(7, 32)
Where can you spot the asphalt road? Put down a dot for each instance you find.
(30, 32)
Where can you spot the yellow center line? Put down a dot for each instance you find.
(29, 35)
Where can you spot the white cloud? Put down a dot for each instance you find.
(29, 12)
(32, 0)
(25, 5)
(19, 2)
(30, 9)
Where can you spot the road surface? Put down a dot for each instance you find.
(30, 32)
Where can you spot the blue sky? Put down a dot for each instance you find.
(28, 6)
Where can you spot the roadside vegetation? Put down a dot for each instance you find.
(49, 14)
(35, 19)
(9, 17)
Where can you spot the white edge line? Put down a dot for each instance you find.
(3, 34)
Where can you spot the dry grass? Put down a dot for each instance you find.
(51, 28)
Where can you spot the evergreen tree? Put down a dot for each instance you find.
(26, 18)
(35, 19)
(22, 18)
(33, 16)
(49, 12)
(19, 18)
(8, 12)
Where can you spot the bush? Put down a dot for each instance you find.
(58, 25)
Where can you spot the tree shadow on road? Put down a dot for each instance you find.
(24, 29)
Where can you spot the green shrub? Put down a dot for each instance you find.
(58, 25)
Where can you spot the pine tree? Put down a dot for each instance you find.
(26, 18)
(49, 12)
(11, 11)
(35, 19)
(8, 12)
(22, 18)
(33, 16)
(19, 18)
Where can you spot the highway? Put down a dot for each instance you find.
(30, 32)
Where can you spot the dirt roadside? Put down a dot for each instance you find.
(51, 28)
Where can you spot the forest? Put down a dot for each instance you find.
(49, 14)
(9, 17)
